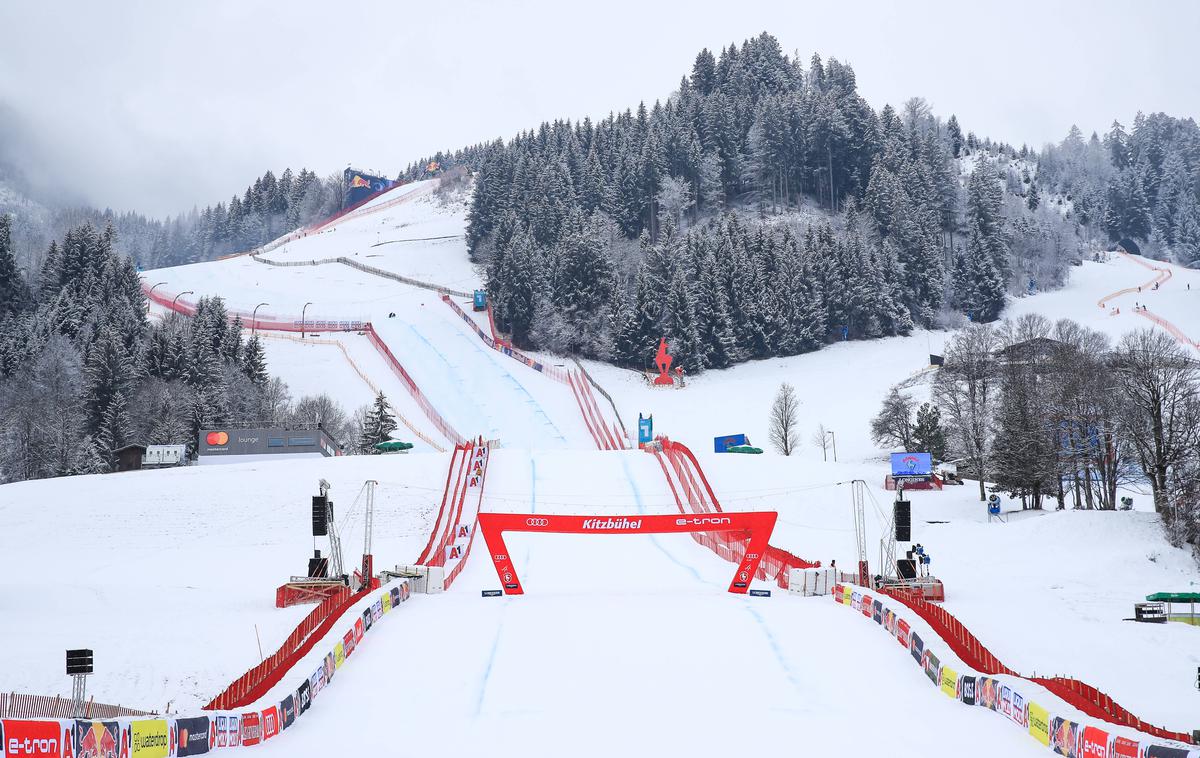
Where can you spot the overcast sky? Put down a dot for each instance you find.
(156, 106)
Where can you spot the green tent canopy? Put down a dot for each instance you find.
(1174, 597)
(392, 446)
(744, 449)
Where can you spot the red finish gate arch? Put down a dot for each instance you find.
(758, 525)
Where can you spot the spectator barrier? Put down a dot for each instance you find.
(366, 380)
(974, 653)
(452, 535)
(685, 475)
(316, 325)
(979, 687)
(240, 726)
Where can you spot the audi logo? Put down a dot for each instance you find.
(537, 522)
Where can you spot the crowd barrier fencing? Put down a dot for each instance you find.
(776, 564)
(624, 432)
(177, 735)
(1161, 275)
(978, 687)
(366, 269)
(366, 380)
(974, 653)
(603, 434)
(16, 705)
(450, 539)
(365, 328)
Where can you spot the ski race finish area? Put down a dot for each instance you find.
(757, 525)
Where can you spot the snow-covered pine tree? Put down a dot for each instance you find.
(377, 425)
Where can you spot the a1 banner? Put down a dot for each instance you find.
(865, 605)
(1123, 747)
(192, 736)
(32, 739)
(903, 633)
(101, 739)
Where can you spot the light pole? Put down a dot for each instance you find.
(302, 310)
(151, 292)
(254, 318)
(181, 294)
(834, 440)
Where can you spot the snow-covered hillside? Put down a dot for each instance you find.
(635, 633)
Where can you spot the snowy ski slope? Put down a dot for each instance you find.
(623, 643)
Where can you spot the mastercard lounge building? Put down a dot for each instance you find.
(215, 444)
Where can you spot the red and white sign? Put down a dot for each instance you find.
(251, 728)
(757, 525)
(32, 739)
(1094, 743)
(270, 722)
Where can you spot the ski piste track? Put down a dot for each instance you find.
(252, 710)
(1162, 274)
(269, 698)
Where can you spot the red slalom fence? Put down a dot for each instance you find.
(256, 682)
(776, 562)
(975, 654)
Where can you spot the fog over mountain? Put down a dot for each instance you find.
(238, 88)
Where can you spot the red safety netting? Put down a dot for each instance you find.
(317, 325)
(256, 682)
(689, 484)
(975, 654)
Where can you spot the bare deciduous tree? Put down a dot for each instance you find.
(966, 389)
(820, 439)
(785, 417)
(893, 426)
(1161, 388)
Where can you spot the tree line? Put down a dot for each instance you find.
(1142, 185)
(83, 371)
(1057, 412)
(593, 233)
(269, 207)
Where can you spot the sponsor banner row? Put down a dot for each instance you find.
(1062, 735)
(187, 736)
